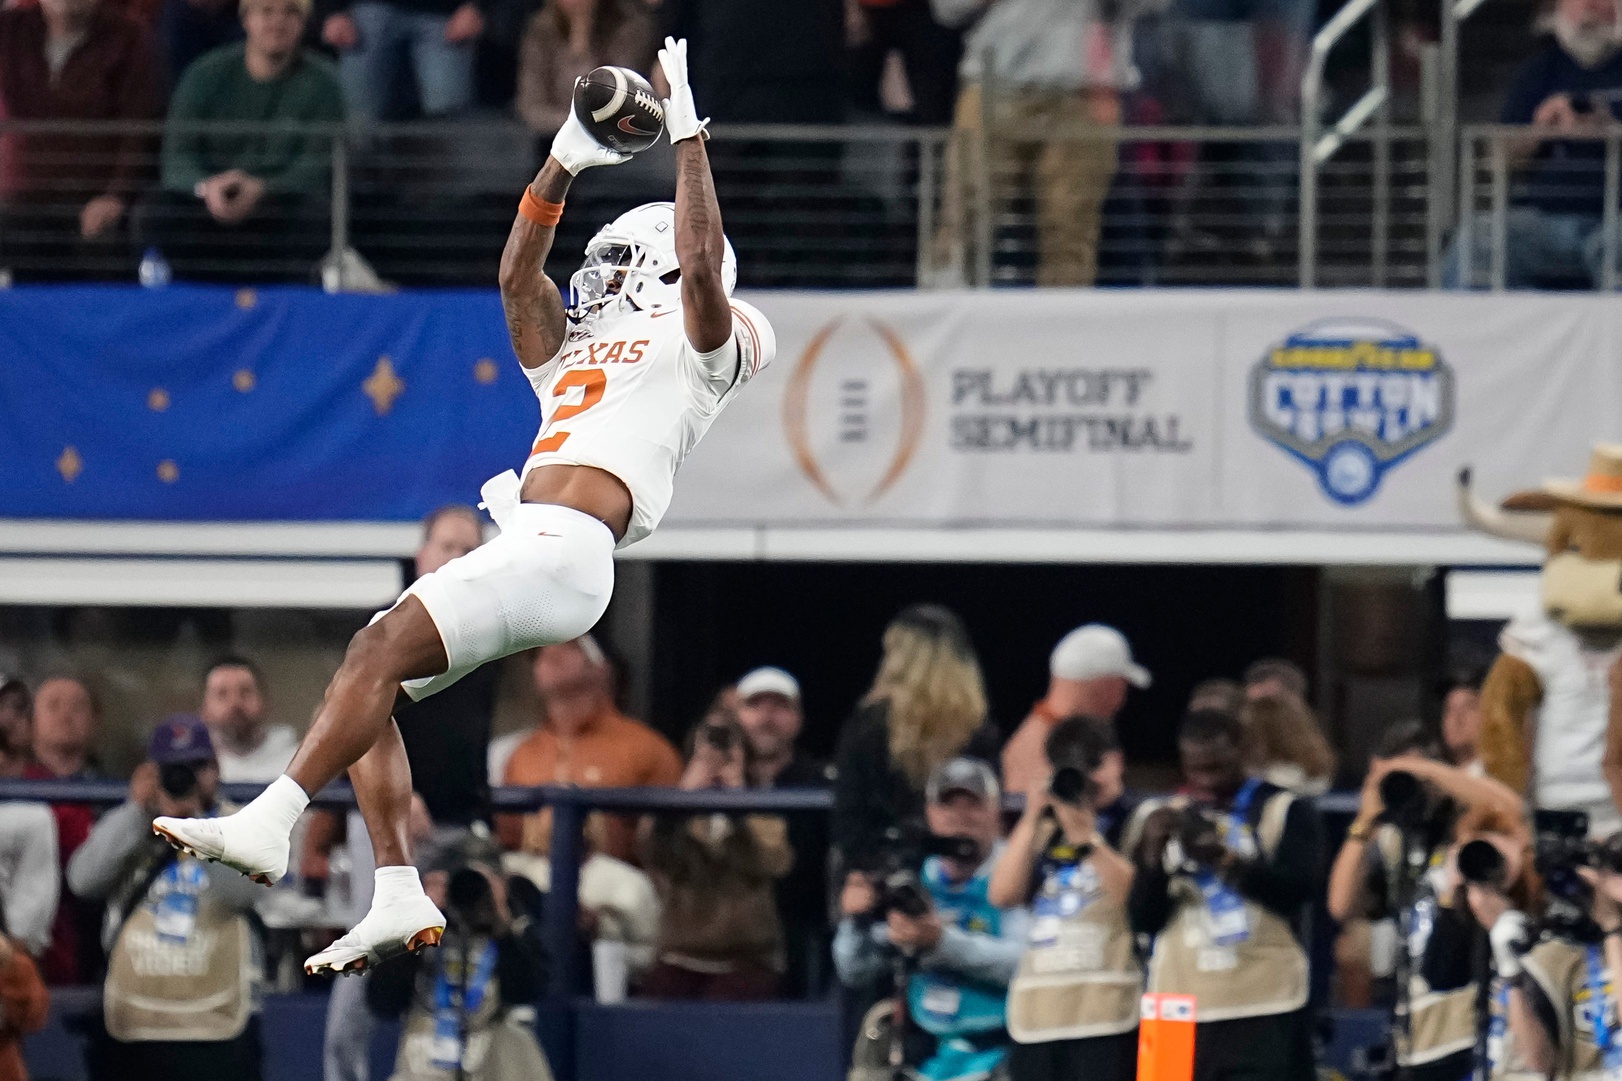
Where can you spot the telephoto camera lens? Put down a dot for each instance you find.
(722, 737)
(179, 779)
(468, 899)
(1403, 797)
(1071, 786)
(1481, 863)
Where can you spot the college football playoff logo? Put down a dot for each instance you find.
(852, 420)
(1351, 399)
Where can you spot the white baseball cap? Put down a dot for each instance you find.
(1096, 650)
(769, 680)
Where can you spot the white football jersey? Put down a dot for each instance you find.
(630, 396)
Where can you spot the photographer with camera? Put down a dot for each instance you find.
(1554, 1007)
(720, 938)
(1226, 874)
(465, 1004)
(929, 923)
(1396, 863)
(180, 1001)
(1073, 1007)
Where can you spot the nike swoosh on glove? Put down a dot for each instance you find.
(577, 149)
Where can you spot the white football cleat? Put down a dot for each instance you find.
(236, 841)
(395, 928)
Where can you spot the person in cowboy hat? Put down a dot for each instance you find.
(1553, 697)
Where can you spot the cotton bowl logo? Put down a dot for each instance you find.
(1351, 398)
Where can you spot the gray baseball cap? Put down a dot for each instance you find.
(963, 775)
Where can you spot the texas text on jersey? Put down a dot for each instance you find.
(629, 395)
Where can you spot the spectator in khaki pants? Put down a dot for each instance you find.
(1059, 67)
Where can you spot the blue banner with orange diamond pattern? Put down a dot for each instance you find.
(193, 403)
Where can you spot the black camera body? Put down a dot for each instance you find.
(1200, 832)
(904, 892)
(1560, 848)
(896, 875)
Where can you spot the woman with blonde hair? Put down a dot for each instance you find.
(927, 705)
(1287, 747)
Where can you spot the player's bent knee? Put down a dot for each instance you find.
(397, 646)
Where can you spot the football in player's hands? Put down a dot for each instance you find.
(619, 109)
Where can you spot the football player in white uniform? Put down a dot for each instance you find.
(629, 379)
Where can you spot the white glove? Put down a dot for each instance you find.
(681, 115)
(1508, 937)
(577, 149)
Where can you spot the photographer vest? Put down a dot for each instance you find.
(458, 1020)
(1440, 1023)
(182, 966)
(1573, 979)
(1264, 974)
(1079, 977)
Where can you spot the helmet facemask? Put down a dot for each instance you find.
(620, 268)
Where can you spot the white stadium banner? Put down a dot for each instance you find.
(1242, 426)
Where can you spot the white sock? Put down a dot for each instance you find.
(280, 804)
(395, 883)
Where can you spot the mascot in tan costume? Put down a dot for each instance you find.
(1552, 704)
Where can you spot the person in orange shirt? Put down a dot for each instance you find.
(24, 1002)
(584, 741)
(1090, 670)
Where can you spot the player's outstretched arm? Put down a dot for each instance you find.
(699, 240)
(534, 307)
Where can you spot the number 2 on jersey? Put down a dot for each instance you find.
(594, 382)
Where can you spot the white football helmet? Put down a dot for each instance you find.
(632, 261)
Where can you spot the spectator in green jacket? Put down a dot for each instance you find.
(251, 202)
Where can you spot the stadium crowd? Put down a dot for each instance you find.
(208, 203)
(1017, 938)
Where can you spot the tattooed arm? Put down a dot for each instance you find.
(531, 300)
(699, 247)
(699, 243)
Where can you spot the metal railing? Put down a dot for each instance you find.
(430, 204)
(1500, 202)
(1317, 147)
(570, 807)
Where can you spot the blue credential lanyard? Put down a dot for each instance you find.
(1242, 801)
(1225, 909)
(1497, 1025)
(447, 1046)
(1599, 1008)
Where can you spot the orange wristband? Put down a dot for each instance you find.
(538, 210)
